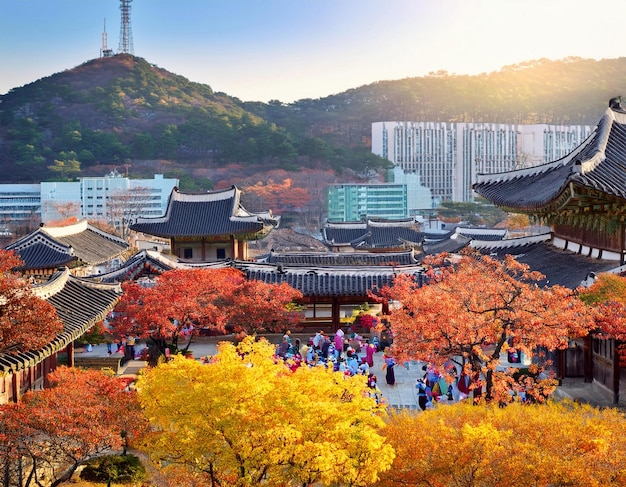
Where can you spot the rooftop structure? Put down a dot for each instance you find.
(208, 226)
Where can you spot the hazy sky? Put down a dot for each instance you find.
(258, 50)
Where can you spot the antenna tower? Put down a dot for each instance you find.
(104, 50)
(126, 31)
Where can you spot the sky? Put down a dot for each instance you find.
(288, 50)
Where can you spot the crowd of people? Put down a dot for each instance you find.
(346, 352)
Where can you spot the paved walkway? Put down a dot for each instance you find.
(401, 395)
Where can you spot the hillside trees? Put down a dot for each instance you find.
(556, 444)
(246, 420)
(83, 414)
(27, 322)
(473, 309)
(183, 302)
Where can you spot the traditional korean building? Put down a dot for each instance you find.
(205, 227)
(81, 247)
(583, 198)
(382, 235)
(80, 304)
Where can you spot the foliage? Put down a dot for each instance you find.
(184, 301)
(556, 444)
(83, 414)
(475, 308)
(116, 468)
(27, 322)
(607, 295)
(245, 419)
(479, 213)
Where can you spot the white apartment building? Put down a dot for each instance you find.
(112, 198)
(447, 156)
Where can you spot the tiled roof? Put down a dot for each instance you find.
(560, 266)
(40, 251)
(51, 247)
(374, 234)
(156, 262)
(480, 233)
(598, 167)
(452, 244)
(328, 281)
(204, 214)
(342, 258)
(80, 304)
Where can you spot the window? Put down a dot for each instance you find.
(221, 253)
(187, 253)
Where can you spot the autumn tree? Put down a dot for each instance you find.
(277, 196)
(246, 420)
(556, 444)
(184, 301)
(83, 414)
(124, 206)
(607, 296)
(473, 309)
(27, 322)
(255, 307)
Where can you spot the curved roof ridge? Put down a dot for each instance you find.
(40, 236)
(52, 286)
(193, 197)
(65, 230)
(510, 243)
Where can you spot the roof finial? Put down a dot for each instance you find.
(615, 103)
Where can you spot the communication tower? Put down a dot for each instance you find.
(126, 31)
(104, 50)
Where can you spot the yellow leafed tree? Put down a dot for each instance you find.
(245, 420)
(552, 444)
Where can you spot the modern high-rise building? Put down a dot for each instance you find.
(448, 156)
(112, 198)
(355, 202)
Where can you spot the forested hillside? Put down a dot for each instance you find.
(118, 110)
(570, 91)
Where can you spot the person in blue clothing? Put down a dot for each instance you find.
(422, 393)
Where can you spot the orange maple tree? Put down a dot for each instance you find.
(83, 414)
(607, 296)
(279, 196)
(27, 322)
(184, 301)
(473, 309)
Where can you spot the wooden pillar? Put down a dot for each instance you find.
(616, 371)
(173, 246)
(15, 386)
(336, 315)
(588, 359)
(233, 247)
(70, 354)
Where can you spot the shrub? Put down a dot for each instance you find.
(118, 468)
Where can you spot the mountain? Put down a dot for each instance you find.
(123, 110)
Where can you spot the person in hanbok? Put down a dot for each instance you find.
(389, 365)
(370, 350)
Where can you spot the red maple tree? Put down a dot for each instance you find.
(83, 414)
(475, 308)
(27, 322)
(185, 301)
